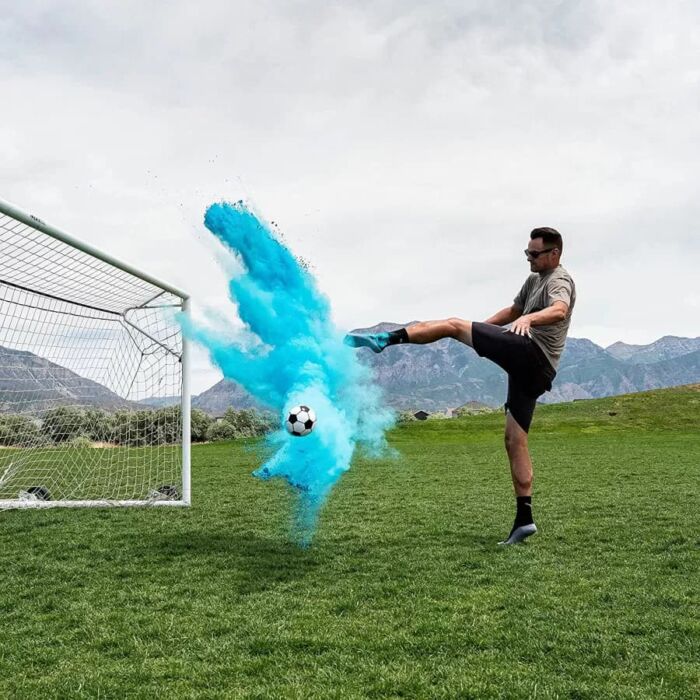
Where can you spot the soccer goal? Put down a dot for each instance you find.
(94, 395)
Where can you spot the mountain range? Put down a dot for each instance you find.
(448, 374)
(431, 377)
(32, 384)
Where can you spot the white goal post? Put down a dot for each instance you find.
(94, 376)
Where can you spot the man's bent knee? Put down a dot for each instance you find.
(460, 329)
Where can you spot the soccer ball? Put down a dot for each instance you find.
(167, 492)
(301, 421)
(35, 493)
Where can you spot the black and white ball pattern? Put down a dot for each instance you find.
(301, 421)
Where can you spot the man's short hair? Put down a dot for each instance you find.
(549, 236)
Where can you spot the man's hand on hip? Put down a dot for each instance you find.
(521, 326)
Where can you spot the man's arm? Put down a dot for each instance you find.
(552, 314)
(505, 316)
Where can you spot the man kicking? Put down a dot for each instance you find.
(529, 351)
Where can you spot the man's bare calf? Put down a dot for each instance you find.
(419, 333)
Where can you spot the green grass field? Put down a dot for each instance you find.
(403, 593)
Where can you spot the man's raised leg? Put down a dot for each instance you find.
(430, 331)
(419, 333)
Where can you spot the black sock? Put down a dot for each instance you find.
(398, 336)
(523, 514)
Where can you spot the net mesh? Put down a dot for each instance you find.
(90, 377)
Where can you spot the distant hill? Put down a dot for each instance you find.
(448, 374)
(667, 348)
(434, 377)
(607, 376)
(39, 385)
(674, 409)
(221, 396)
(160, 401)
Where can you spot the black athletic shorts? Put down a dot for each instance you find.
(529, 372)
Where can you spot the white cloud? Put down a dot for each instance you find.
(405, 149)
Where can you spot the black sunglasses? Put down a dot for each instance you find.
(534, 254)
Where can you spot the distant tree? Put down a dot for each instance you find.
(406, 417)
(438, 416)
(62, 423)
(142, 428)
(471, 410)
(98, 425)
(221, 430)
(18, 430)
(200, 423)
(249, 422)
(167, 428)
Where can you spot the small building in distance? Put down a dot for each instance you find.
(421, 415)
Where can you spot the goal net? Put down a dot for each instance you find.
(94, 404)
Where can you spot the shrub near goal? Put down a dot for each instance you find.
(94, 397)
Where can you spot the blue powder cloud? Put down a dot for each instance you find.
(300, 359)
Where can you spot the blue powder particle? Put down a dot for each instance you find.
(300, 359)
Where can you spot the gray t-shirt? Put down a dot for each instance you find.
(540, 291)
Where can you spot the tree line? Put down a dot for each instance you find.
(65, 425)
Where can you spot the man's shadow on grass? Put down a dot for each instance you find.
(253, 563)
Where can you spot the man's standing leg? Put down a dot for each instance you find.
(521, 474)
(523, 405)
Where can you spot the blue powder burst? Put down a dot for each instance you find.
(298, 357)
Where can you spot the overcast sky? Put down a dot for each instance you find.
(405, 149)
